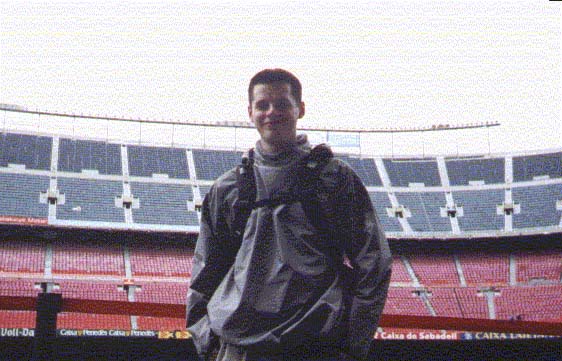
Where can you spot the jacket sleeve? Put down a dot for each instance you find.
(211, 262)
(371, 260)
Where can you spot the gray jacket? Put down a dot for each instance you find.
(284, 286)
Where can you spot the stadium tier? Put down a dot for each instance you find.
(527, 168)
(163, 292)
(77, 155)
(30, 151)
(18, 319)
(87, 259)
(89, 200)
(27, 257)
(441, 203)
(84, 321)
(406, 172)
(405, 301)
(148, 161)
(163, 204)
(161, 261)
(486, 170)
(399, 272)
(20, 195)
(437, 281)
(210, 164)
(432, 270)
(533, 303)
(160, 323)
(94, 184)
(536, 266)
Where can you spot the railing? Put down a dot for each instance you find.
(48, 305)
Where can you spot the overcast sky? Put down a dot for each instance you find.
(378, 64)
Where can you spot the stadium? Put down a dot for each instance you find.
(98, 230)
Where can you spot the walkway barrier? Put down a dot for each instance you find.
(48, 305)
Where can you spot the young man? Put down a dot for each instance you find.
(283, 293)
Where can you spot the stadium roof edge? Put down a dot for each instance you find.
(4, 107)
(246, 124)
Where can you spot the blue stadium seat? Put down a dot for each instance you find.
(405, 171)
(145, 161)
(163, 204)
(381, 203)
(77, 155)
(462, 171)
(426, 211)
(538, 206)
(365, 169)
(90, 200)
(19, 195)
(211, 164)
(480, 209)
(525, 168)
(32, 151)
(203, 190)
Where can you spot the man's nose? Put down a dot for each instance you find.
(272, 110)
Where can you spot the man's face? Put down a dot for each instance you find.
(275, 112)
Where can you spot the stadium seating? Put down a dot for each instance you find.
(162, 292)
(88, 289)
(405, 171)
(97, 197)
(17, 319)
(425, 208)
(472, 303)
(484, 269)
(537, 266)
(85, 321)
(146, 161)
(525, 168)
(464, 171)
(18, 287)
(34, 152)
(480, 209)
(381, 203)
(538, 206)
(96, 270)
(92, 259)
(432, 269)
(161, 261)
(538, 303)
(163, 204)
(399, 273)
(445, 302)
(78, 155)
(210, 164)
(204, 190)
(159, 270)
(90, 200)
(365, 169)
(405, 301)
(20, 193)
(21, 256)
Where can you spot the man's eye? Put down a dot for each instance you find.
(262, 106)
(282, 105)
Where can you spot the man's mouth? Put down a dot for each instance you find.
(272, 123)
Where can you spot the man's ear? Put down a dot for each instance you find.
(301, 110)
(250, 113)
